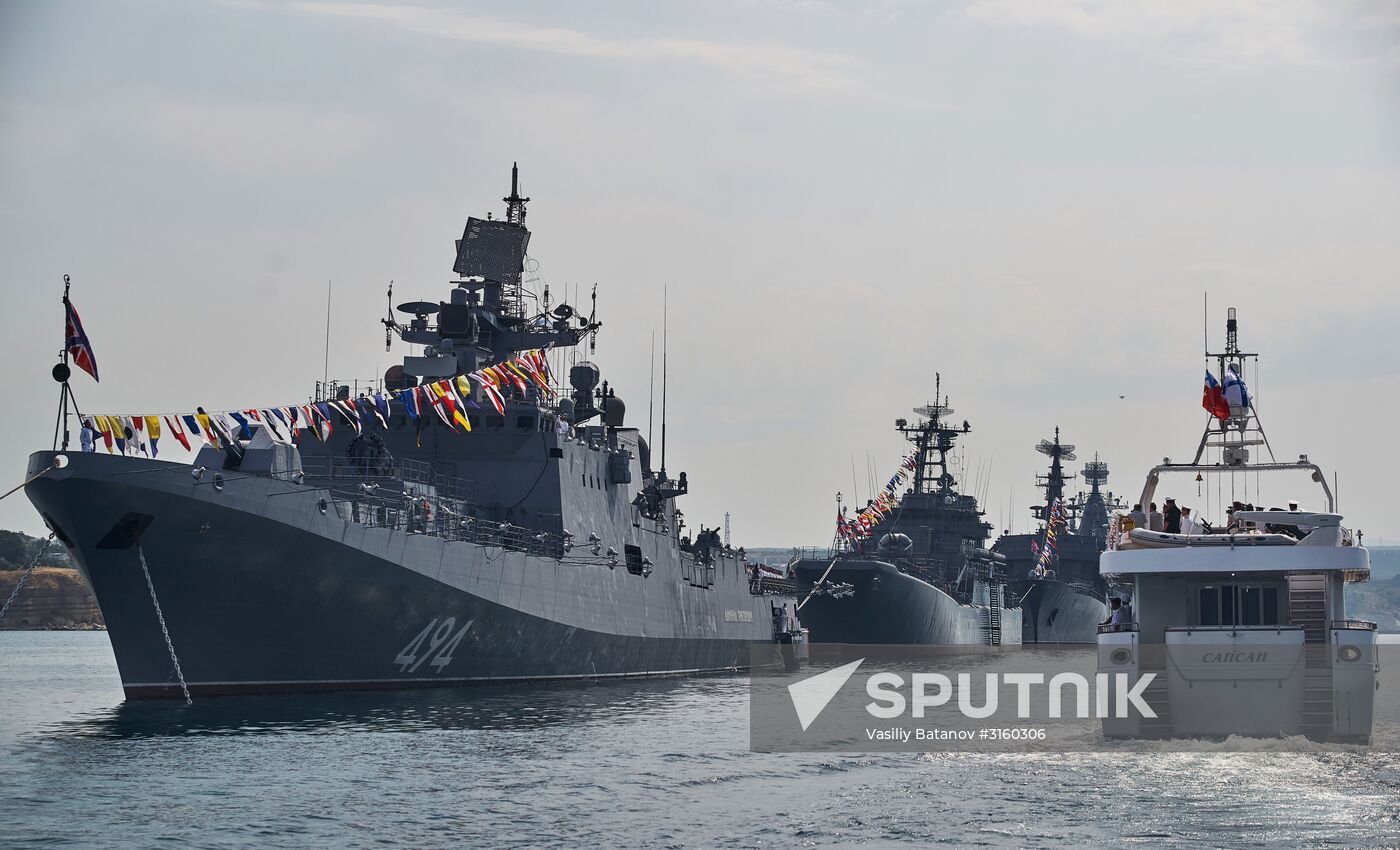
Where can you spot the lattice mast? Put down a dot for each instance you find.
(1053, 482)
(1233, 436)
(933, 440)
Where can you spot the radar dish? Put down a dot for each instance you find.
(934, 411)
(1064, 451)
(1096, 472)
(419, 308)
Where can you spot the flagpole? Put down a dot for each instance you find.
(61, 373)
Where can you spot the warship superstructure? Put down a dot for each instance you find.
(544, 544)
(1053, 572)
(921, 574)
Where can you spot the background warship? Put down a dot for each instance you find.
(922, 576)
(544, 544)
(1056, 581)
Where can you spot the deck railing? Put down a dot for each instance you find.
(1112, 628)
(1358, 625)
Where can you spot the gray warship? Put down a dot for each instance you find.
(923, 575)
(543, 545)
(1060, 592)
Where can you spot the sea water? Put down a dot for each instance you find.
(635, 763)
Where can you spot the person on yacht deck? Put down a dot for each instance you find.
(1298, 531)
(1114, 605)
(1155, 520)
(1173, 518)
(1188, 522)
(1138, 517)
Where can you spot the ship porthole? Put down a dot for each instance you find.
(219, 483)
(60, 461)
(1121, 656)
(321, 506)
(1349, 652)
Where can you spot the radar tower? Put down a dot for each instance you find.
(933, 440)
(515, 205)
(1053, 482)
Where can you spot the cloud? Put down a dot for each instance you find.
(252, 137)
(787, 66)
(245, 138)
(1287, 31)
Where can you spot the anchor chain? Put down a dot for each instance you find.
(23, 579)
(163, 630)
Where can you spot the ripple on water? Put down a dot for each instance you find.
(656, 764)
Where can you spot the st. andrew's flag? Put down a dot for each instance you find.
(1236, 393)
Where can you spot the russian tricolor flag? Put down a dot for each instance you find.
(1214, 398)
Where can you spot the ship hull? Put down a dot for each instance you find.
(1055, 612)
(886, 606)
(263, 591)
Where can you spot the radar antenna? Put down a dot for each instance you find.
(1053, 482)
(1095, 473)
(933, 439)
(1093, 509)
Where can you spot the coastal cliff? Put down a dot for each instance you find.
(53, 598)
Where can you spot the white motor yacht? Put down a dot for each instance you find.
(1245, 625)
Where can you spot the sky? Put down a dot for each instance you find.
(839, 200)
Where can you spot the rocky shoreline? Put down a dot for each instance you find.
(55, 598)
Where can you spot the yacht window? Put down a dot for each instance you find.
(1237, 605)
(1209, 613)
(1250, 613)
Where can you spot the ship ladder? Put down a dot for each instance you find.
(993, 613)
(169, 645)
(24, 577)
(1307, 607)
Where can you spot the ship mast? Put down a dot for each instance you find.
(515, 205)
(933, 439)
(1053, 482)
(1093, 514)
(1233, 436)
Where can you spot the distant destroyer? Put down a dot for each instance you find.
(923, 574)
(1053, 571)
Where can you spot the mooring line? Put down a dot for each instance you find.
(163, 630)
(28, 571)
(819, 583)
(21, 485)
